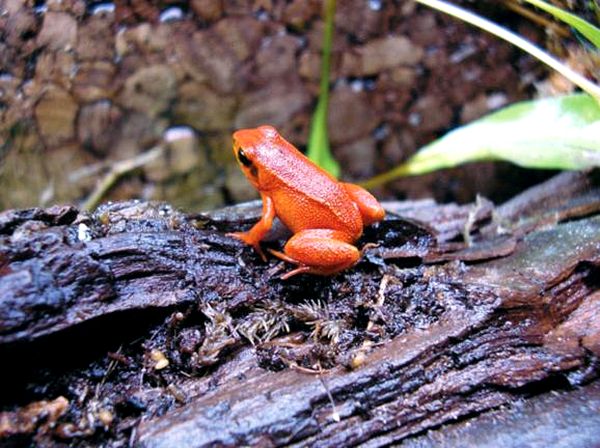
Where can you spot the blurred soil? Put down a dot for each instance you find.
(84, 85)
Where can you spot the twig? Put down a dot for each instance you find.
(118, 170)
(537, 18)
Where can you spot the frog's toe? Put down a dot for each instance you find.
(282, 256)
(243, 236)
(298, 270)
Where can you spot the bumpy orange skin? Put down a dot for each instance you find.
(325, 216)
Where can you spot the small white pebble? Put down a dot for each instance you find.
(357, 85)
(159, 358)
(101, 8)
(414, 119)
(161, 364)
(83, 233)
(375, 5)
(496, 100)
(178, 132)
(170, 14)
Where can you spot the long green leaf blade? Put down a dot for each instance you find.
(551, 133)
(591, 32)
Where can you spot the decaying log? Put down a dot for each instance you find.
(177, 335)
(466, 362)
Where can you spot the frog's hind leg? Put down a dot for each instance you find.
(319, 252)
(370, 209)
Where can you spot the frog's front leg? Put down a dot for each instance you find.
(260, 229)
(318, 251)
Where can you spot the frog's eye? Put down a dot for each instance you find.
(244, 160)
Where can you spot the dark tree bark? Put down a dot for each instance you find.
(198, 342)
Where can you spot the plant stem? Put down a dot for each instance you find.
(319, 149)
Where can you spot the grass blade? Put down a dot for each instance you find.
(591, 32)
(319, 150)
(495, 29)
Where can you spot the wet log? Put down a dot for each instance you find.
(189, 339)
(508, 328)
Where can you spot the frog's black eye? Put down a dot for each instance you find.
(244, 160)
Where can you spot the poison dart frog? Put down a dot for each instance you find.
(325, 216)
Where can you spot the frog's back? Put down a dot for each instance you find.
(307, 197)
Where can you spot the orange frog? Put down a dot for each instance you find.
(325, 216)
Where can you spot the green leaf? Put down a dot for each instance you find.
(587, 29)
(319, 150)
(552, 133)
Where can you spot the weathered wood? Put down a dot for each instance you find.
(61, 268)
(565, 419)
(474, 357)
(136, 323)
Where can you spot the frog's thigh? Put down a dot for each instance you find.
(322, 248)
(370, 209)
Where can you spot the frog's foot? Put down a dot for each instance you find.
(319, 252)
(302, 268)
(247, 238)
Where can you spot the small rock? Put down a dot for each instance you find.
(380, 54)
(399, 77)
(59, 31)
(474, 109)
(238, 186)
(55, 114)
(136, 130)
(149, 90)
(96, 40)
(200, 107)
(297, 13)
(433, 113)
(276, 57)
(237, 7)
(208, 10)
(160, 361)
(56, 67)
(363, 19)
(422, 30)
(96, 124)
(396, 148)
(351, 117)
(182, 156)
(215, 55)
(93, 80)
(183, 148)
(310, 65)
(357, 157)
(275, 104)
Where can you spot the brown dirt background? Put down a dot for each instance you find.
(83, 86)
